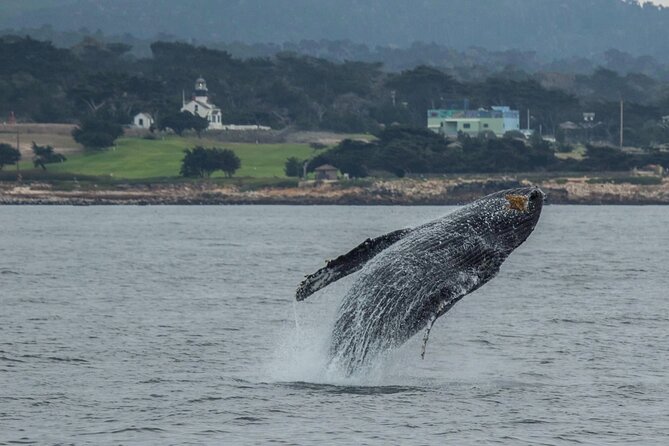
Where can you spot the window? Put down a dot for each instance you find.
(485, 126)
(466, 126)
(141, 122)
(195, 107)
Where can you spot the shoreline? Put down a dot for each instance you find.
(405, 192)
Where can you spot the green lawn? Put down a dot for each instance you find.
(136, 158)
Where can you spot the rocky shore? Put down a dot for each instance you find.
(379, 192)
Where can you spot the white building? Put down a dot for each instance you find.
(199, 105)
(142, 120)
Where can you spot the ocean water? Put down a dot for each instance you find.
(177, 325)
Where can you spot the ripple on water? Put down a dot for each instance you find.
(180, 328)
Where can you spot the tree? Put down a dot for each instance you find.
(293, 167)
(46, 155)
(97, 133)
(227, 161)
(182, 121)
(8, 155)
(202, 162)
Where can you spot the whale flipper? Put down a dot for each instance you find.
(347, 264)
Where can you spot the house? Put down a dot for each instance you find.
(142, 121)
(451, 122)
(199, 105)
(326, 172)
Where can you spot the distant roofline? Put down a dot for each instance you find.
(326, 167)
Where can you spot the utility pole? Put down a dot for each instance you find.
(622, 122)
(528, 119)
(18, 146)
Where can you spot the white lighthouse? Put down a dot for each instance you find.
(199, 105)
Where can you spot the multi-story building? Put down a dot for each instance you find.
(498, 120)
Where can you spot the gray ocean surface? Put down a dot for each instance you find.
(176, 325)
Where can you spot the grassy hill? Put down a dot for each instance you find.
(136, 158)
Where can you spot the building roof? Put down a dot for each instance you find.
(325, 167)
(145, 114)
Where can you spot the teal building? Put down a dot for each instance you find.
(498, 120)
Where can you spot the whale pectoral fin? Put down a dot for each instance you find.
(347, 264)
(446, 302)
(433, 319)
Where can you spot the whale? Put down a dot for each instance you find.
(407, 279)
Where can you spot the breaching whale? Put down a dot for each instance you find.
(410, 277)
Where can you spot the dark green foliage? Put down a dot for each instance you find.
(577, 27)
(44, 155)
(514, 134)
(227, 161)
(97, 133)
(182, 121)
(351, 157)
(409, 151)
(607, 158)
(420, 89)
(202, 162)
(8, 155)
(293, 167)
(42, 83)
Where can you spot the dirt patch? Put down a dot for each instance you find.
(57, 135)
(327, 138)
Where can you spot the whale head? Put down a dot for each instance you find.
(507, 218)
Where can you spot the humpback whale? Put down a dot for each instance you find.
(410, 277)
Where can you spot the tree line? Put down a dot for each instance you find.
(557, 29)
(402, 151)
(42, 83)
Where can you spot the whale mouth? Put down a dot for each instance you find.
(517, 202)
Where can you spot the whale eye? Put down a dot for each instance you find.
(534, 195)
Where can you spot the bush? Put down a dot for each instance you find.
(46, 155)
(293, 167)
(95, 133)
(202, 162)
(514, 134)
(8, 155)
(182, 121)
